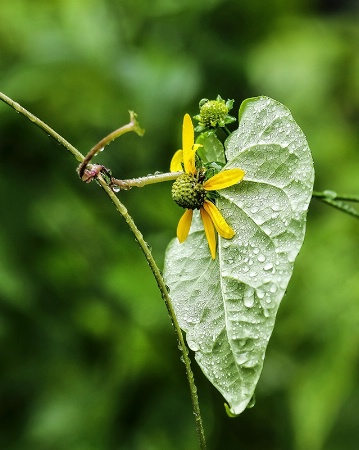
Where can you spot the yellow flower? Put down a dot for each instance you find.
(190, 190)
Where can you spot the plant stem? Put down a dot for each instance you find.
(144, 181)
(225, 129)
(138, 236)
(334, 196)
(133, 125)
(331, 198)
(43, 126)
(165, 295)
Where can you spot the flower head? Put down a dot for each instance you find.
(192, 190)
(214, 113)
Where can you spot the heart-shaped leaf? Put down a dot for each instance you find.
(227, 306)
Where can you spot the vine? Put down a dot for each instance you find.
(207, 176)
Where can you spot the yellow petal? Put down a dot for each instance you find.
(184, 225)
(176, 161)
(187, 145)
(210, 233)
(224, 179)
(219, 222)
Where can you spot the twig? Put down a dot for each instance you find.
(165, 295)
(143, 181)
(39, 123)
(132, 126)
(337, 201)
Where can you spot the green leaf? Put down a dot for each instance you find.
(212, 148)
(227, 306)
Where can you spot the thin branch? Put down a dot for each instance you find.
(97, 173)
(343, 207)
(337, 201)
(165, 295)
(133, 125)
(79, 156)
(226, 130)
(143, 181)
(332, 195)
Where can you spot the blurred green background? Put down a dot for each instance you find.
(89, 360)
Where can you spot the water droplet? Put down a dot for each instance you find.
(267, 230)
(248, 298)
(261, 258)
(226, 244)
(192, 345)
(242, 358)
(292, 255)
(252, 402)
(116, 189)
(330, 194)
(276, 207)
(268, 266)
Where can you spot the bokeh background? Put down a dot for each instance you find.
(88, 357)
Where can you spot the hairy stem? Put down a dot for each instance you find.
(144, 181)
(334, 196)
(165, 295)
(138, 235)
(133, 125)
(43, 126)
(337, 201)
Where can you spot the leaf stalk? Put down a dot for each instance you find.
(339, 202)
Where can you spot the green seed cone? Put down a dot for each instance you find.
(187, 192)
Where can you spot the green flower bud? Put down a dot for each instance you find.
(213, 113)
(187, 192)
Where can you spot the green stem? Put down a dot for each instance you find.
(225, 129)
(165, 295)
(133, 125)
(144, 247)
(43, 126)
(144, 181)
(334, 196)
(331, 198)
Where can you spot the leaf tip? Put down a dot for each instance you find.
(229, 412)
